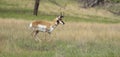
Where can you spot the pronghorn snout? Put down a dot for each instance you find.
(61, 22)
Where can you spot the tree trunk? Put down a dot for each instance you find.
(36, 7)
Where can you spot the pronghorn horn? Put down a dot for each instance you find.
(62, 10)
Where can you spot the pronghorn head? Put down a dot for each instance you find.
(59, 19)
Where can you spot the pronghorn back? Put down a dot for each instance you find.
(36, 23)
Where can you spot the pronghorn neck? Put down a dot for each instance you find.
(55, 23)
(53, 26)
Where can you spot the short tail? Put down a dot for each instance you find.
(30, 25)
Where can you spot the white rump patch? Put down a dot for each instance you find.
(42, 28)
(30, 25)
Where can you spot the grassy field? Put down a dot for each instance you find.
(89, 32)
(71, 40)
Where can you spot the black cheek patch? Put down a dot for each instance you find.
(57, 21)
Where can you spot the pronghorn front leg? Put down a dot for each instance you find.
(50, 37)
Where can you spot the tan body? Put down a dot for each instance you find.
(35, 23)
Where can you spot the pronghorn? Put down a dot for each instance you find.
(45, 26)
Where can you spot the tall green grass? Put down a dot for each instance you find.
(28, 15)
(24, 10)
(74, 39)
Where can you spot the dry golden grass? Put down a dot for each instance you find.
(89, 31)
(71, 30)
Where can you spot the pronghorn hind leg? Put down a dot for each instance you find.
(35, 35)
